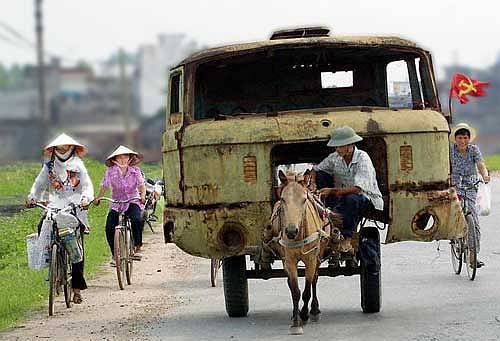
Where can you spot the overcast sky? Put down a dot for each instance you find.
(460, 30)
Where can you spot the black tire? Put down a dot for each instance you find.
(470, 252)
(456, 250)
(370, 271)
(53, 280)
(235, 286)
(119, 250)
(129, 263)
(67, 279)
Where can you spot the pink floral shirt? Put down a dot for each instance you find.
(123, 187)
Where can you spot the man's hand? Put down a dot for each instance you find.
(97, 201)
(487, 179)
(328, 192)
(143, 199)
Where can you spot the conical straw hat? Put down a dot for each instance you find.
(62, 140)
(135, 157)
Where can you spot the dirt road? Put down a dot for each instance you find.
(108, 313)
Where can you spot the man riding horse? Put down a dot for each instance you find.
(353, 189)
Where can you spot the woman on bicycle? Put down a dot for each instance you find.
(466, 162)
(126, 182)
(65, 179)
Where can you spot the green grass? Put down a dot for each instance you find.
(493, 162)
(22, 289)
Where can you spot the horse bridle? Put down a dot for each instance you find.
(294, 244)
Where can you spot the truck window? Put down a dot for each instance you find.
(308, 78)
(175, 93)
(404, 84)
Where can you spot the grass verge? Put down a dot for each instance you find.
(22, 289)
(493, 162)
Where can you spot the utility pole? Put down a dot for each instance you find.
(125, 98)
(42, 107)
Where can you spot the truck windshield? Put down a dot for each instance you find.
(312, 78)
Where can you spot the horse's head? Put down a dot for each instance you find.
(293, 199)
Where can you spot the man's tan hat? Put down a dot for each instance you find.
(465, 126)
(62, 140)
(343, 136)
(135, 157)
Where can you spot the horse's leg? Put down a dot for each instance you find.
(315, 303)
(293, 284)
(306, 295)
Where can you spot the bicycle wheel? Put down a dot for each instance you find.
(215, 264)
(67, 277)
(470, 252)
(120, 254)
(456, 255)
(53, 274)
(129, 248)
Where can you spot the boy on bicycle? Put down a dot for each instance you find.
(466, 162)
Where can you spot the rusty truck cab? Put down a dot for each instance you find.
(236, 113)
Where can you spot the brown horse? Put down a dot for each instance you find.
(302, 231)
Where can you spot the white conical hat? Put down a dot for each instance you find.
(124, 150)
(62, 140)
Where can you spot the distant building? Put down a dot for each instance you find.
(151, 74)
(401, 88)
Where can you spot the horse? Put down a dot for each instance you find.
(301, 226)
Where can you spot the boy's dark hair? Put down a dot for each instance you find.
(462, 131)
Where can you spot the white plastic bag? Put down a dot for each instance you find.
(483, 200)
(32, 251)
(44, 242)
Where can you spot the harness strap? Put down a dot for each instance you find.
(293, 244)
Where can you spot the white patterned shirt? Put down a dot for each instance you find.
(359, 173)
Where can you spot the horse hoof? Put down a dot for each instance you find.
(296, 330)
(314, 318)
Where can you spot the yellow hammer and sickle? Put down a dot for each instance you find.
(466, 87)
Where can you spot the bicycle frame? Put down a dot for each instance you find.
(123, 245)
(60, 266)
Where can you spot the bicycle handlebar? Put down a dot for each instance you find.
(56, 210)
(120, 201)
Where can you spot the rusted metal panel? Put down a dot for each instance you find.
(339, 41)
(430, 158)
(250, 169)
(450, 222)
(171, 168)
(198, 231)
(306, 125)
(225, 174)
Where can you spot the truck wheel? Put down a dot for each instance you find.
(235, 286)
(370, 274)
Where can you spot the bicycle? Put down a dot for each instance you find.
(123, 248)
(464, 250)
(153, 192)
(60, 266)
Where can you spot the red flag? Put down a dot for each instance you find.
(463, 86)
